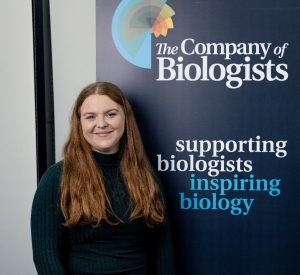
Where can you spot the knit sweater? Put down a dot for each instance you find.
(130, 248)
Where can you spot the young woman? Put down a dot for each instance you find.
(101, 209)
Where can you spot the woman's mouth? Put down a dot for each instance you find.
(103, 134)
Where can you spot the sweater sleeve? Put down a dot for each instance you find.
(162, 246)
(163, 252)
(46, 225)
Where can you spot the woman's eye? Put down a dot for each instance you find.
(111, 114)
(90, 117)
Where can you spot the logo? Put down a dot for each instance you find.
(133, 23)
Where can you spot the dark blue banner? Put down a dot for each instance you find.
(215, 88)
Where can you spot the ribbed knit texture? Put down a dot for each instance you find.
(130, 248)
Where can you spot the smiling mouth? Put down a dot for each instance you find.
(103, 134)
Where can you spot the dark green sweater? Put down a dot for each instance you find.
(129, 248)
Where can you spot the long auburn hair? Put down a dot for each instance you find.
(83, 197)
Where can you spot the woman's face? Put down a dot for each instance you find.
(103, 123)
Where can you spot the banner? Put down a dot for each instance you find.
(215, 89)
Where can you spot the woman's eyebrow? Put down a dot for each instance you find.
(107, 111)
(88, 113)
(113, 109)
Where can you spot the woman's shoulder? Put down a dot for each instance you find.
(46, 197)
(50, 181)
(53, 172)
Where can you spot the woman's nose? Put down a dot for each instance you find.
(101, 122)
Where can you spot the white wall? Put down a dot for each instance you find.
(73, 34)
(17, 141)
(74, 66)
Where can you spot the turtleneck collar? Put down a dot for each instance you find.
(107, 159)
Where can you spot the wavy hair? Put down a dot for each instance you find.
(83, 197)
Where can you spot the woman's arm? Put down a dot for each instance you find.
(46, 227)
(162, 246)
(163, 258)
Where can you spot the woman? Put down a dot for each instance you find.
(100, 210)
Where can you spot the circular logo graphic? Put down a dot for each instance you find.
(133, 23)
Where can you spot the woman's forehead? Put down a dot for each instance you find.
(98, 103)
